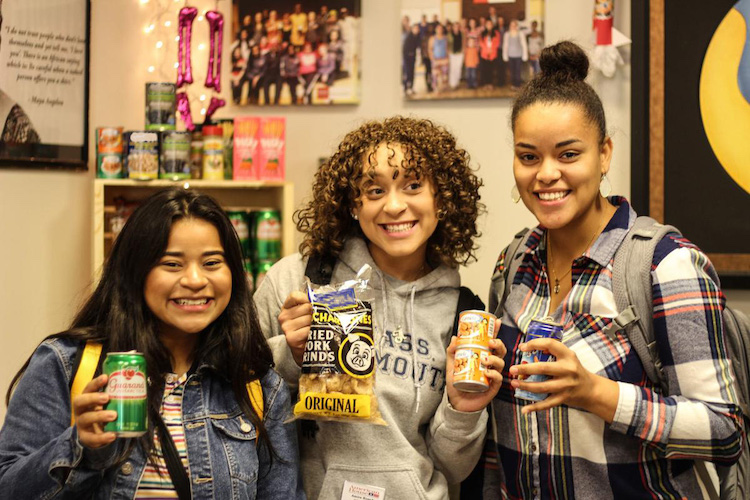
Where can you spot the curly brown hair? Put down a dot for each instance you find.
(429, 150)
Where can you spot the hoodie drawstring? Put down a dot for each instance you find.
(413, 330)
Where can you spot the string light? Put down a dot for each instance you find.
(160, 21)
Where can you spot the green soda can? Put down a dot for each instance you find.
(127, 393)
(239, 221)
(267, 233)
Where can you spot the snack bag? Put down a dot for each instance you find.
(338, 367)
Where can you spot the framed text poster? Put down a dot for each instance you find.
(44, 83)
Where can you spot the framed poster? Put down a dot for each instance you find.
(44, 54)
(291, 52)
(459, 49)
(697, 169)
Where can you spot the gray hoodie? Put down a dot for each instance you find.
(426, 444)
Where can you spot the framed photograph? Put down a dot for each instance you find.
(287, 52)
(44, 56)
(696, 173)
(459, 49)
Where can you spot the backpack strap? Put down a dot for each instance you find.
(320, 268)
(502, 284)
(255, 393)
(84, 373)
(632, 288)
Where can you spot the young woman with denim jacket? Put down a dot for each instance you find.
(174, 289)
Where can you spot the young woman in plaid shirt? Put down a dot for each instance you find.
(603, 431)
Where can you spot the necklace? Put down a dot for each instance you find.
(556, 287)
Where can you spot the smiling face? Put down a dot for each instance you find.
(397, 213)
(558, 164)
(191, 284)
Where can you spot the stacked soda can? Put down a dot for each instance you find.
(265, 231)
(109, 152)
(475, 329)
(538, 329)
(174, 155)
(161, 104)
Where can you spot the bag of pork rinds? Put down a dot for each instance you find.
(338, 366)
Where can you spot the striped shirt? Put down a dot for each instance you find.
(648, 450)
(155, 482)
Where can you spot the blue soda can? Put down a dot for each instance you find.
(538, 329)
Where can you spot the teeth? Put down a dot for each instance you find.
(557, 195)
(398, 228)
(189, 302)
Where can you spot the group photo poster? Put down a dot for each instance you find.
(287, 52)
(459, 49)
(43, 75)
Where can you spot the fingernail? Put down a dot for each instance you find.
(513, 370)
(515, 383)
(112, 415)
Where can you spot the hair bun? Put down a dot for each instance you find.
(564, 60)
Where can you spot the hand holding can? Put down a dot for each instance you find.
(538, 329)
(475, 329)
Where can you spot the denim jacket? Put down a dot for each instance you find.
(41, 457)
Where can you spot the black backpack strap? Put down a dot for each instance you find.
(177, 472)
(320, 268)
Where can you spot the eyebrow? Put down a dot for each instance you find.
(205, 254)
(558, 145)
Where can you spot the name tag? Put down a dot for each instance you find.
(357, 491)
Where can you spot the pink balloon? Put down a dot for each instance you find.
(185, 30)
(216, 30)
(213, 106)
(183, 107)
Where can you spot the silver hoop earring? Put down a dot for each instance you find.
(515, 195)
(605, 187)
(354, 216)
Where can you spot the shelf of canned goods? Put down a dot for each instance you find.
(115, 199)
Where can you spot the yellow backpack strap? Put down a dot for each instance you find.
(255, 393)
(85, 372)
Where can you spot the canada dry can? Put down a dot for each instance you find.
(470, 368)
(267, 233)
(127, 393)
(538, 329)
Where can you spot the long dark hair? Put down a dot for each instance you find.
(116, 314)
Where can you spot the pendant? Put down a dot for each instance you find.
(557, 286)
(398, 335)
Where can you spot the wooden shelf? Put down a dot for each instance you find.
(232, 195)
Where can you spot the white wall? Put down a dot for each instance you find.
(45, 217)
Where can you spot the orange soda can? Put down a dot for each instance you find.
(470, 368)
(476, 327)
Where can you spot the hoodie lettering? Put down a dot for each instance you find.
(396, 359)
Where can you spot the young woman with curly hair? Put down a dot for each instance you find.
(400, 196)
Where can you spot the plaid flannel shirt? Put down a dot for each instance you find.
(648, 450)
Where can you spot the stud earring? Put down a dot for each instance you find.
(605, 187)
(354, 216)
(514, 194)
